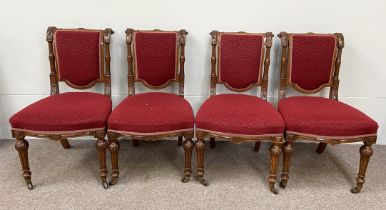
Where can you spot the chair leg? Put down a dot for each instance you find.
(179, 141)
(188, 148)
(114, 147)
(200, 149)
(257, 146)
(22, 148)
(366, 152)
(212, 141)
(65, 144)
(275, 151)
(135, 142)
(288, 148)
(101, 146)
(321, 147)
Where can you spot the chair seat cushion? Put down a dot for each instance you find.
(69, 111)
(150, 113)
(324, 117)
(239, 114)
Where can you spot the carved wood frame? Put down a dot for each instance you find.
(113, 135)
(264, 66)
(180, 60)
(99, 133)
(291, 137)
(277, 140)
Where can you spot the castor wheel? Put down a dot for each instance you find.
(203, 182)
(274, 190)
(30, 186)
(113, 182)
(283, 184)
(356, 189)
(185, 179)
(105, 185)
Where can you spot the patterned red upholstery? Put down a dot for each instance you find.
(155, 56)
(311, 60)
(240, 59)
(70, 111)
(239, 114)
(77, 55)
(324, 117)
(152, 113)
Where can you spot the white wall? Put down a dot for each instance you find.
(24, 66)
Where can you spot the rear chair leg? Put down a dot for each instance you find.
(321, 147)
(212, 141)
(188, 148)
(179, 142)
(135, 142)
(257, 146)
(114, 147)
(200, 149)
(101, 146)
(366, 152)
(65, 144)
(275, 151)
(21, 146)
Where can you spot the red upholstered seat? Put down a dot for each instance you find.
(152, 113)
(239, 114)
(324, 117)
(69, 111)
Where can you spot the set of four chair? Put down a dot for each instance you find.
(239, 60)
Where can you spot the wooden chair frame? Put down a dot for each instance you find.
(22, 145)
(277, 141)
(365, 151)
(188, 144)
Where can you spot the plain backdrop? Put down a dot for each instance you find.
(24, 65)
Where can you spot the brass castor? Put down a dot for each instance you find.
(30, 186)
(274, 190)
(185, 179)
(203, 181)
(356, 189)
(105, 185)
(283, 184)
(113, 182)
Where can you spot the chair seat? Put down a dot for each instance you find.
(239, 114)
(69, 111)
(325, 117)
(150, 113)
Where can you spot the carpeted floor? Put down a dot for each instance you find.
(150, 178)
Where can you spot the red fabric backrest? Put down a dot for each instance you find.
(155, 54)
(311, 60)
(240, 59)
(78, 55)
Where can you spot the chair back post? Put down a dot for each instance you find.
(181, 74)
(267, 60)
(335, 84)
(283, 68)
(213, 60)
(53, 74)
(130, 77)
(106, 41)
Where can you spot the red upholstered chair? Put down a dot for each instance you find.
(80, 58)
(155, 58)
(240, 61)
(309, 63)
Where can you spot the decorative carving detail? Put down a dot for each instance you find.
(130, 77)
(213, 60)
(283, 68)
(267, 61)
(181, 75)
(335, 84)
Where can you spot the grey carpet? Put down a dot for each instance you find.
(150, 178)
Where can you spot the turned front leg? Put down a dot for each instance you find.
(114, 147)
(188, 148)
(22, 148)
(366, 152)
(101, 146)
(288, 149)
(200, 149)
(275, 151)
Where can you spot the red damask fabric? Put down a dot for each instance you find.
(239, 114)
(64, 112)
(152, 112)
(77, 54)
(324, 117)
(240, 59)
(311, 61)
(156, 56)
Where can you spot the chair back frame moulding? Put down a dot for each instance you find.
(179, 66)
